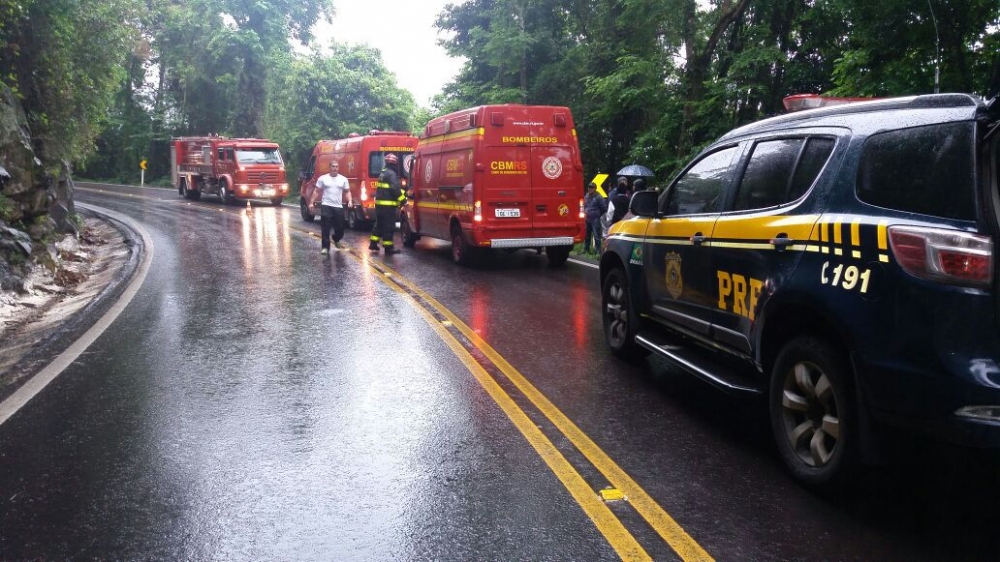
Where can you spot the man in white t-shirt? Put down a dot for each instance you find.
(329, 197)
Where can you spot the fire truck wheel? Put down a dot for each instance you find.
(224, 195)
(409, 237)
(461, 252)
(182, 188)
(557, 254)
(304, 210)
(277, 201)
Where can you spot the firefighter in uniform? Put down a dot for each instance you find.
(388, 199)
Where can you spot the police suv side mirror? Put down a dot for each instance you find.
(643, 203)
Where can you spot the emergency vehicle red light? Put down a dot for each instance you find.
(582, 213)
(478, 212)
(946, 256)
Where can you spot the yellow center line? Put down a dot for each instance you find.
(607, 523)
(619, 537)
(660, 520)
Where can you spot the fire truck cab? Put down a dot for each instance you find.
(361, 159)
(498, 176)
(230, 168)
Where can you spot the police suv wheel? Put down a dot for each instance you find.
(812, 413)
(618, 316)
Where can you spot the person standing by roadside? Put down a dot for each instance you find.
(388, 198)
(331, 187)
(620, 203)
(621, 186)
(593, 207)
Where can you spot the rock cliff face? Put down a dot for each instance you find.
(35, 206)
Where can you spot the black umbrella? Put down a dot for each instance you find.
(636, 170)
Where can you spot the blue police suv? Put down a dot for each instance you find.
(840, 262)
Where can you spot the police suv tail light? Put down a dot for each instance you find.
(478, 212)
(582, 215)
(364, 191)
(948, 256)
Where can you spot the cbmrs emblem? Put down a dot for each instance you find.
(675, 282)
(552, 167)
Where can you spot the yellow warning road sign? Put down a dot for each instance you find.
(599, 180)
(143, 164)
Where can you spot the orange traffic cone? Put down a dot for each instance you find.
(249, 209)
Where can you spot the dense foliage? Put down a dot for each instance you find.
(106, 83)
(651, 81)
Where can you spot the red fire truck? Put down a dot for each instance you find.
(498, 176)
(361, 159)
(230, 168)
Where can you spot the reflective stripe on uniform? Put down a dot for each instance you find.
(390, 202)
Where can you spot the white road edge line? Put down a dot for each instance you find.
(37, 383)
(586, 263)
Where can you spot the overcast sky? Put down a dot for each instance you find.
(403, 30)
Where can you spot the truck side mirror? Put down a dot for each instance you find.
(303, 176)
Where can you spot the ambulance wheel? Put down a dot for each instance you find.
(277, 201)
(352, 220)
(407, 234)
(461, 252)
(558, 254)
(304, 210)
(619, 317)
(812, 412)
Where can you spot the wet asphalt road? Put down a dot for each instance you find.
(259, 401)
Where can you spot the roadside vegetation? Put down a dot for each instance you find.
(106, 83)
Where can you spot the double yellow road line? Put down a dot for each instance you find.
(443, 321)
(451, 330)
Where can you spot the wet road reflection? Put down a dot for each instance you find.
(260, 401)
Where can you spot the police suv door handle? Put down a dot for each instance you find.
(698, 239)
(782, 241)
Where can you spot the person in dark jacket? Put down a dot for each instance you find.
(594, 205)
(620, 202)
(621, 186)
(388, 198)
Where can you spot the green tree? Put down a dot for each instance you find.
(48, 56)
(329, 95)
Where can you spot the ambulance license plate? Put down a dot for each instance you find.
(508, 213)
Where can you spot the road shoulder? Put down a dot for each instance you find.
(38, 325)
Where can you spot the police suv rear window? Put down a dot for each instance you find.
(927, 170)
(781, 171)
